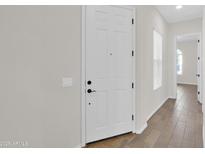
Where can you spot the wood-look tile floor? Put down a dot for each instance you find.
(177, 124)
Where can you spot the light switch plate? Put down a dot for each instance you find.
(67, 82)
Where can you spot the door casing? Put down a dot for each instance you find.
(199, 69)
(83, 72)
(175, 63)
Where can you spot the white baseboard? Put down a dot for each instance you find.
(157, 109)
(139, 131)
(172, 97)
(195, 84)
(203, 124)
(203, 110)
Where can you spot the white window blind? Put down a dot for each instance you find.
(157, 60)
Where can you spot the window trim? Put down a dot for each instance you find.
(160, 60)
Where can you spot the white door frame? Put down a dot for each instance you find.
(199, 47)
(83, 72)
(175, 62)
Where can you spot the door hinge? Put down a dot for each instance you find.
(133, 117)
(132, 53)
(132, 84)
(132, 21)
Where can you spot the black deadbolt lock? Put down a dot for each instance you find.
(89, 82)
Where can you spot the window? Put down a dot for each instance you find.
(179, 62)
(157, 60)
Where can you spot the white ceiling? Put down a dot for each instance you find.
(188, 37)
(172, 15)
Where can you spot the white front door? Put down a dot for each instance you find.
(109, 72)
(199, 70)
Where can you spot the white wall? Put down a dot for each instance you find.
(39, 46)
(189, 66)
(181, 28)
(148, 100)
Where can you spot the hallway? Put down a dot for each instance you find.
(176, 124)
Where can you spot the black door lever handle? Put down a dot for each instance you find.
(91, 91)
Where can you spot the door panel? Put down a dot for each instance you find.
(97, 32)
(109, 68)
(121, 71)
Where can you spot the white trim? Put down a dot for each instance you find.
(175, 63)
(157, 109)
(139, 131)
(201, 69)
(83, 122)
(170, 97)
(83, 76)
(133, 66)
(195, 84)
(203, 135)
(175, 70)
